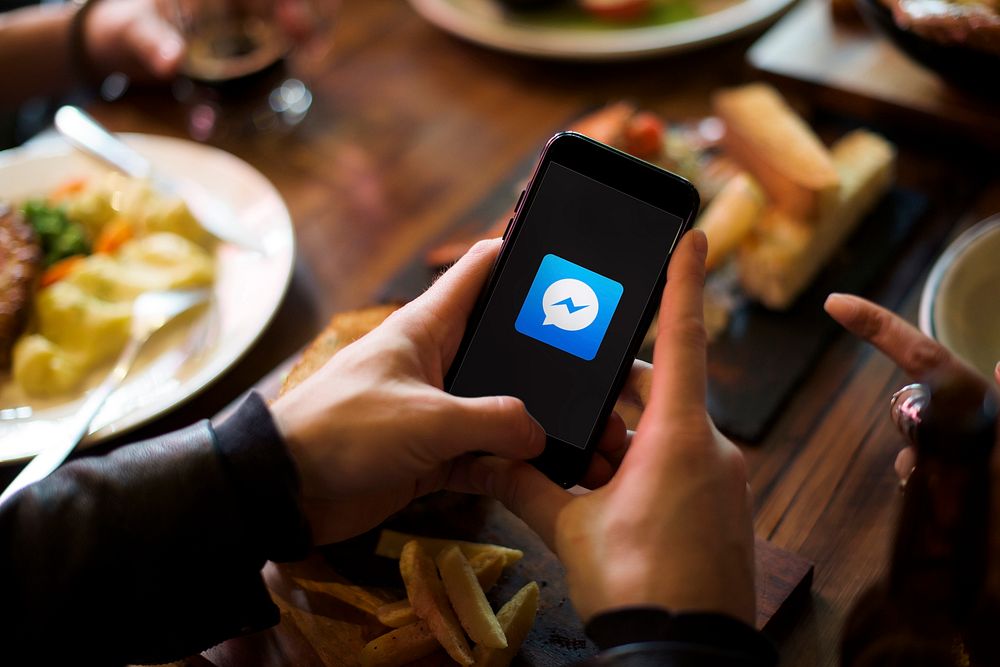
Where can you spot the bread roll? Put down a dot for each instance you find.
(343, 329)
(779, 149)
(784, 253)
(730, 217)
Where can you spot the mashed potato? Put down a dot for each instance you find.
(82, 321)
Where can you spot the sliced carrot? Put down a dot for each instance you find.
(73, 186)
(61, 269)
(115, 233)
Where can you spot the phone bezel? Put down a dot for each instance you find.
(561, 461)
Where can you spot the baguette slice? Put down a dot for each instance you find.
(779, 149)
(783, 255)
(730, 216)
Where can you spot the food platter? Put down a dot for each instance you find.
(187, 355)
(553, 36)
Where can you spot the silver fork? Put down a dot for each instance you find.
(84, 132)
(150, 312)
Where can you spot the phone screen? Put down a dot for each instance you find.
(580, 272)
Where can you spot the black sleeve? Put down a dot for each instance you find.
(152, 552)
(652, 636)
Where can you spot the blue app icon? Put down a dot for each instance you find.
(569, 307)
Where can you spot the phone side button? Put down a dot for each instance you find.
(506, 231)
(520, 198)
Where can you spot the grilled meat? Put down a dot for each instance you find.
(20, 263)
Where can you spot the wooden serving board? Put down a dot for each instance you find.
(852, 70)
(317, 630)
(757, 362)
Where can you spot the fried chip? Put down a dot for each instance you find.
(516, 618)
(396, 614)
(430, 602)
(356, 596)
(390, 545)
(468, 599)
(400, 647)
(487, 566)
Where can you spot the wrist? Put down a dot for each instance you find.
(81, 60)
(258, 459)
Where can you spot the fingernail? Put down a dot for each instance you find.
(840, 304)
(700, 241)
(170, 50)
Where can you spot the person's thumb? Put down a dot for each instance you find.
(445, 306)
(496, 424)
(157, 46)
(519, 486)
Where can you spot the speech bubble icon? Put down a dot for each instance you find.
(570, 305)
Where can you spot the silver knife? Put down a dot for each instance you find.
(85, 133)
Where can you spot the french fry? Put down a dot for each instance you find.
(487, 567)
(390, 545)
(516, 618)
(468, 599)
(430, 602)
(730, 217)
(356, 596)
(400, 646)
(396, 614)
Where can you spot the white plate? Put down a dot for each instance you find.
(187, 356)
(960, 306)
(486, 22)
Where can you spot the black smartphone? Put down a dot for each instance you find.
(573, 291)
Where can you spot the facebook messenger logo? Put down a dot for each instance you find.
(570, 304)
(569, 307)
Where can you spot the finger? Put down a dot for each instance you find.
(906, 460)
(614, 441)
(157, 46)
(519, 486)
(916, 354)
(996, 373)
(678, 381)
(638, 385)
(446, 305)
(608, 455)
(497, 424)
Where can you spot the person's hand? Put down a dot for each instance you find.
(672, 526)
(916, 355)
(373, 429)
(130, 36)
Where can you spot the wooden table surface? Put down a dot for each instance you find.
(411, 128)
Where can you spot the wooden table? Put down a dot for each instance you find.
(411, 128)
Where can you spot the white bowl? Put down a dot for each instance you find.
(960, 305)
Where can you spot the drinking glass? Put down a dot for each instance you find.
(248, 62)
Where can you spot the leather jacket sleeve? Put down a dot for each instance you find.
(154, 551)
